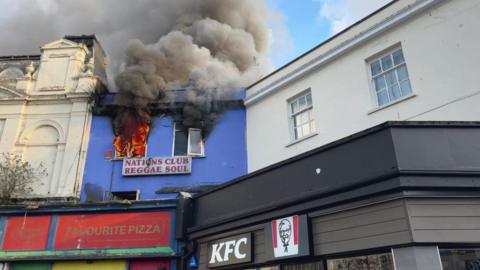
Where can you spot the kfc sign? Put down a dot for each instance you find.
(157, 166)
(287, 237)
(232, 250)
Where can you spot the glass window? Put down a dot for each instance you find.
(180, 141)
(188, 141)
(195, 142)
(304, 266)
(460, 259)
(390, 77)
(377, 262)
(301, 116)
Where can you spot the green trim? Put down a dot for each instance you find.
(86, 253)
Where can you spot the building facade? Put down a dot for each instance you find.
(210, 159)
(401, 195)
(409, 61)
(45, 111)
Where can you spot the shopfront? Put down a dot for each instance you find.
(137, 236)
(393, 197)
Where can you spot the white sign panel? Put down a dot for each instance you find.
(157, 166)
(285, 236)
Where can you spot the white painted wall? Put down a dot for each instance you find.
(440, 42)
(47, 118)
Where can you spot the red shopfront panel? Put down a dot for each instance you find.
(130, 230)
(149, 265)
(27, 233)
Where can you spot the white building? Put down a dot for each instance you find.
(415, 60)
(45, 113)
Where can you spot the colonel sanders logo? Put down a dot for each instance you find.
(285, 236)
(285, 231)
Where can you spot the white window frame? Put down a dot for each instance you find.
(291, 116)
(372, 78)
(202, 154)
(202, 144)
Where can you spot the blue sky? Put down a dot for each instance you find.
(310, 22)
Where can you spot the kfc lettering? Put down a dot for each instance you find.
(230, 251)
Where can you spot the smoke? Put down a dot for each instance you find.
(209, 47)
(213, 48)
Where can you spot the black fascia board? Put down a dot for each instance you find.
(386, 158)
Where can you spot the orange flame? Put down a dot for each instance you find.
(132, 138)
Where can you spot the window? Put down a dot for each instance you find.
(460, 259)
(301, 116)
(188, 142)
(378, 262)
(126, 195)
(390, 77)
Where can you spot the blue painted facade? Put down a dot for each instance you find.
(225, 158)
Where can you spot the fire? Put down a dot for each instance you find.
(131, 140)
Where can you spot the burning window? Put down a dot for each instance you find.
(188, 141)
(131, 137)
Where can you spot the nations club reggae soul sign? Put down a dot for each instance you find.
(157, 166)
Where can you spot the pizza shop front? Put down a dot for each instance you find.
(399, 196)
(110, 236)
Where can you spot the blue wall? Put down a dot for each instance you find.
(225, 158)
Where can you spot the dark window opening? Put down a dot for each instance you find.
(125, 195)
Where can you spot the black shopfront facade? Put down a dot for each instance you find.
(401, 195)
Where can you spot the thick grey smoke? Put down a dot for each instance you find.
(210, 46)
(214, 47)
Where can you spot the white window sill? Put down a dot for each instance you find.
(391, 103)
(302, 139)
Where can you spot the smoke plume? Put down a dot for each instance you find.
(213, 48)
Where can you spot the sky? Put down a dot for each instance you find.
(296, 25)
(310, 22)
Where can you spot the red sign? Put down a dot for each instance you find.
(157, 165)
(27, 233)
(147, 229)
(149, 264)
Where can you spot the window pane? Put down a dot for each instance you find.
(376, 68)
(387, 62)
(180, 144)
(196, 142)
(402, 73)
(379, 83)
(309, 100)
(302, 103)
(394, 91)
(305, 117)
(391, 78)
(298, 132)
(398, 57)
(306, 129)
(406, 88)
(297, 121)
(382, 98)
(304, 266)
(377, 262)
(460, 259)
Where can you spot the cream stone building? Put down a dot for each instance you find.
(412, 60)
(45, 110)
